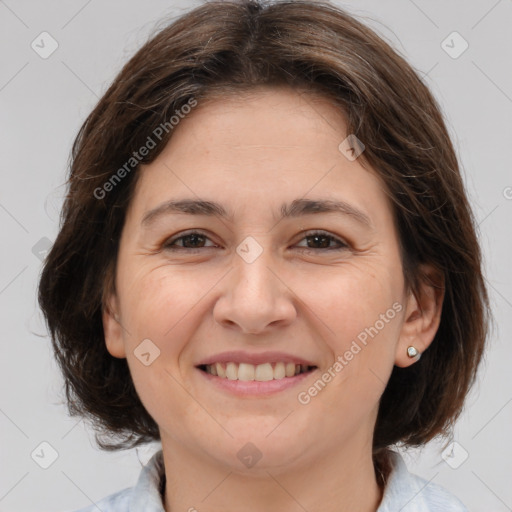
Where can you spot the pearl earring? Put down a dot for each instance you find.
(412, 352)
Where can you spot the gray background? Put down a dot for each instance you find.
(43, 102)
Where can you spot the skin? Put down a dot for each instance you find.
(253, 153)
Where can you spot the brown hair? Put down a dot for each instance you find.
(233, 46)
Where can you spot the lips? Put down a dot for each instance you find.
(255, 358)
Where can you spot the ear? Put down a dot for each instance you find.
(422, 316)
(112, 328)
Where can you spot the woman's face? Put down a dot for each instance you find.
(256, 290)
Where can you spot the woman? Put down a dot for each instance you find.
(267, 261)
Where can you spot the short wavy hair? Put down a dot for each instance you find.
(228, 47)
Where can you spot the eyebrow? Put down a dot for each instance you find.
(296, 208)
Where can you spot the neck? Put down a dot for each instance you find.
(337, 482)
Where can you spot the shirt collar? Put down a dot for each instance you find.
(403, 490)
(147, 494)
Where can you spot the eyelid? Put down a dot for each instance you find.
(342, 244)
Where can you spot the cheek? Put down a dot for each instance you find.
(358, 313)
(156, 310)
(158, 301)
(159, 310)
(349, 299)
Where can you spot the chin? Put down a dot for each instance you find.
(260, 445)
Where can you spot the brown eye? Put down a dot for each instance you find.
(320, 240)
(189, 241)
(316, 241)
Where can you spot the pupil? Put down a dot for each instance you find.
(325, 238)
(193, 237)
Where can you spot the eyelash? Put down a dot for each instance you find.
(342, 245)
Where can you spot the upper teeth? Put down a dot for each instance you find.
(260, 372)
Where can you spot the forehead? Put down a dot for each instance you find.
(265, 146)
(266, 116)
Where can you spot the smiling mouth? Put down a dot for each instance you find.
(250, 372)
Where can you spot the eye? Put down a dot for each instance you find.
(323, 239)
(191, 241)
(195, 240)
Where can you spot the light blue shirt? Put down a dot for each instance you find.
(404, 492)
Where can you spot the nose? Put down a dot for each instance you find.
(255, 298)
